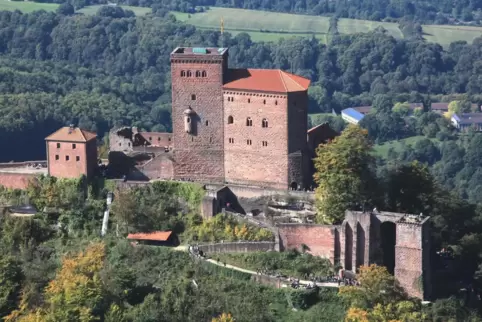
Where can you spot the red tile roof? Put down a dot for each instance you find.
(71, 135)
(266, 80)
(154, 236)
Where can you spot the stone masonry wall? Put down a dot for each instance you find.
(160, 167)
(65, 161)
(409, 258)
(255, 154)
(320, 239)
(237, 247)
(15, 180)
(199, 155)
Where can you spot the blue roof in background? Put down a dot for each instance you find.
(353, 113)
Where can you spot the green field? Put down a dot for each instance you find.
(92, 10)
(352, 26)
(26, 6)
(285, 25)
(445, 35)
(278, 25)
(382, 149)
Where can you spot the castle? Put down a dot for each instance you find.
(231, 126)
(245, 129)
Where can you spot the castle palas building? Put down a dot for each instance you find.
(238, 126)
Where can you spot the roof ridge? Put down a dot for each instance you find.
(293, 80)
(282, 79)
(82, 133)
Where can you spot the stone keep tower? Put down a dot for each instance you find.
(197, 77)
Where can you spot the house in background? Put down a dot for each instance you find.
(351, 115)
(464, 121)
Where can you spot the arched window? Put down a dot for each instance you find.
(264, 123)
(230, 119)
(204, 74)
(188, 73)
(193, 97)
(264, 101)
(183, 73)
(198, 73)
(249, 122)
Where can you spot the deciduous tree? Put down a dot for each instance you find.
(343, 174)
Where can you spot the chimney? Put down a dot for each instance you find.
(71, 128)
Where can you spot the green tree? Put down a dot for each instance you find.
(343, 174)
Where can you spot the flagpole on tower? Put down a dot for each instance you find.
(222, 32)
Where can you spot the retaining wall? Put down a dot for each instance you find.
(237, 247)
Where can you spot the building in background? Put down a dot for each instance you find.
(465, 121)
(352, 116)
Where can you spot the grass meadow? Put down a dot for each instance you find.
(271, 26)
(26, 6)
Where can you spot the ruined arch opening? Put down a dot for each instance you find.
(388, 237)
(294, 186)
(348, 247)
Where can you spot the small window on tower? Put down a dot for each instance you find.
(264, 101)
(188, 73)
(275, 102)
(150, 138)
(210, 140)
(249, 122)
(74, 146)
(159, 139)
(169, 139)
(207, 123)
(230, 119)
(77, 158)
(249, 100)
(265, 143)
(231, 140)
(204, 74)
(264, 123)
(198, 73)
(249, 142)
(58, 145)
(183, 73)
(193, 97)
(67, 158)
(56, 157)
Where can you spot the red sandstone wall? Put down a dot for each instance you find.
(199, 156)
(320, 239)
(15, 180)
(256, 164)
(158, 138)
(161, 167)
(63, 168)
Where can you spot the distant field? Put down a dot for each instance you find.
(444, 35)
(279, 25)
(92, 10)
(352, 26)
(382, 149)
(285, 25)
(26, 6)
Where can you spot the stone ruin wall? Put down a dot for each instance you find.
(320, 239)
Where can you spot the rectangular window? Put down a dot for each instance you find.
(265, 143)
(58, 145)
(74, 146)
(56, 157)
(249, 142)
(67, 158)
(77, 158)
(231, 140)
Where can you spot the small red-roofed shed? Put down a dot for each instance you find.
(155, 238)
